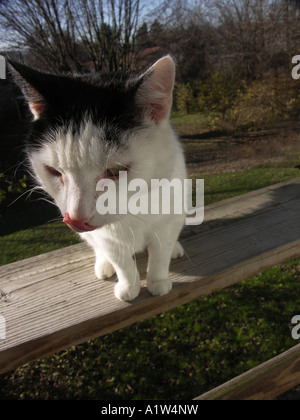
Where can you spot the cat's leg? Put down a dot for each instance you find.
(160, 254)
(158, 281)
(178, 251)
(161, 248)
(109, 262)
(128, 286)
(103, 268)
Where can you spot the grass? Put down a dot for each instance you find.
(181, 353)
(191, 123)
(221, 186)
(34, 241)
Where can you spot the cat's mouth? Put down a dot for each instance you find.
(78, 226)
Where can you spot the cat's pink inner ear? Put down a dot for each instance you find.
(37, 109)
(37, 103)
(156, 93)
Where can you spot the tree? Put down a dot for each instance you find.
(175, 31)
(62, 32)
(108, 31)
(251, 36)
(43, 27)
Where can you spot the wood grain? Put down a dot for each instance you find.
(265, 382)
(54, 301)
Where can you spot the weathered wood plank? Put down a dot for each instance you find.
(265, 382)
(54, 301)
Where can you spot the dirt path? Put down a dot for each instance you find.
(238, 152)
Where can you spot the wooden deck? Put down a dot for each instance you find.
(54, 301)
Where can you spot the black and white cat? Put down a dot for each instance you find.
(87, 128)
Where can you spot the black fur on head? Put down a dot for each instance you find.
(63, 100)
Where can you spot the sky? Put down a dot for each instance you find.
(146, 8)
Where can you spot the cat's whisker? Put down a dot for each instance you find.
(134, 256)
(159, 228)
(47, 201)
(128, 236)
(29, 192)
(15, 167)
(121, 164)
(126, 167)
(158, 238)
(187, 256)
(110, 153)
(58, 219)
(121, 251)
(32, 190)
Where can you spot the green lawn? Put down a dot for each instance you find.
(197, 123)
(221, 186)
(34, 241)
(181, 353)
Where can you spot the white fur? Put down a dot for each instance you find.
(152, 153)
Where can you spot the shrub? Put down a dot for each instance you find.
(10, 189)
(218, 93)
(184, 98)
(266, 102)
(215, 94)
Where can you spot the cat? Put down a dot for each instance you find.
(96, 126)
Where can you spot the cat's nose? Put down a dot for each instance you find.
(78, 215)
(78, 226)
(80, 220)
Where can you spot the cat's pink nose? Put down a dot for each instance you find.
(78, 226)
(79, 220)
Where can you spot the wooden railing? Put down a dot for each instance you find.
(265, 382)
(54, 301)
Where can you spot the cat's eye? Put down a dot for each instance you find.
(53, 172)
(113, 173)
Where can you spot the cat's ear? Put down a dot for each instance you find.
(155, 94)
(31, 83)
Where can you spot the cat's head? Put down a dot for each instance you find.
(86, 128)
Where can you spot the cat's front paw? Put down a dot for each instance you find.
(159, 287)
(104, 270)
(178, 251)
(127, 292)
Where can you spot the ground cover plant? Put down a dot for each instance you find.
(195, 347)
